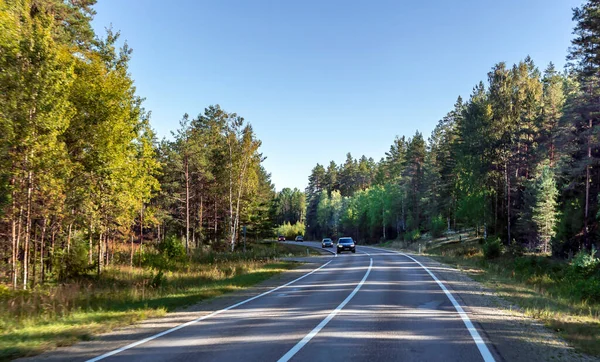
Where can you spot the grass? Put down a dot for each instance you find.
(59, 315)
(544, 288)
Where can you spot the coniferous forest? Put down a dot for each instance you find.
(517, 159)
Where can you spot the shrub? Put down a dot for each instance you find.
(492, 248)
(158, 280)
(412, 235)
(465, 251)
(172, 248)
(438, 226)
(588, 289)
(584, 264)
(74, 263)
(515, 248)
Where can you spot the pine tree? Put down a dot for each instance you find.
(545, 209)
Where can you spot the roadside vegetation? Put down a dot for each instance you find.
(59, 314)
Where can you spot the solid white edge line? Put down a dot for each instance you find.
(286, 357)
(479, 342)
(148, 339)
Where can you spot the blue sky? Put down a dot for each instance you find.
(318, 79)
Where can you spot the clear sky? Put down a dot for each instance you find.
(320, 78)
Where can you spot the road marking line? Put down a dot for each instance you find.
(148, 339)
(324, 322)
(483, 349)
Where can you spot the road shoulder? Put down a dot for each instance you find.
(510, 333)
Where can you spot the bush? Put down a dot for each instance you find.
(492, 248)
(438, 226)
(515, 248)
(74, 263)
(158, 280)
(585, 264)
(588, 289)
(172, 248)
(412, 235)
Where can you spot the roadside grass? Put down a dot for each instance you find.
(543, 287)
(63, 314)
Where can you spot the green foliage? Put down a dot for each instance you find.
(290, 231)
(172, 248)
(515, 248)
(73, 263)
(544, 210)
(585, 263)
(158, 279)
(492, 248)
(412, 235)
(290, 206)
(438, 226)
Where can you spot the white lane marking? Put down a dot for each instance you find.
(324, 322)
(483, 349)
(148, 339)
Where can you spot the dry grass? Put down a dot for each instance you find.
(57, 315)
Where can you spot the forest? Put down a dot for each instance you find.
(84, 180)
(84, 183)
(517, 160)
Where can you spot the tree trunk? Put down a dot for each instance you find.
(91, 248)
(52, 249)
(587, 190)
(33, 261)
(106, 248)
(69, 238)
(42, 242)
(100, 253)
(216, 225)
(187, 206)
(27, 231)
(15, 245)
(131, 256)
(201, 218)
(141, 225)
(507, 201)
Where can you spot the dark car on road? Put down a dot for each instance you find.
(299, 238)
(346, 244)
(327, 243)
(281, 238)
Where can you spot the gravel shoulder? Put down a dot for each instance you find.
(510, 334)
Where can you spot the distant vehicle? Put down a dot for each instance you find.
(346, 243)
(281, 238)
(299, 238)
(327, 243)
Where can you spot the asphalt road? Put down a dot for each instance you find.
(374, 305)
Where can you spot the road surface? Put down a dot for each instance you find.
(374, 305)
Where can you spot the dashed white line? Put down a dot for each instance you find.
(324, 322)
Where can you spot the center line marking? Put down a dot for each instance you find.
(324, 322)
